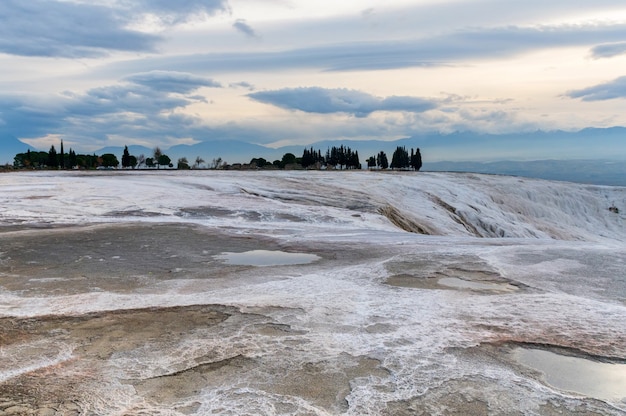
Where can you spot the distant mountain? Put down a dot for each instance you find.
(598, 172)
(229, 151)
(9, 147)
(591, 143)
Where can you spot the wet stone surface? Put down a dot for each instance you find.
(118, 258)
(106, 347)
(453, 273)
(327, 337)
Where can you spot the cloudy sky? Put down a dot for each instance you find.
(101, 73)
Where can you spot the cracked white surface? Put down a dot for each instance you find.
(557, 242)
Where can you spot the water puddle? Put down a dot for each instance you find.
(600, 380)
(266, 258)
(456, 283)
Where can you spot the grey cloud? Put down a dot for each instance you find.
(367, 12)
(608, 50)
(172, 81)
(144, 94)
(29, 118)
(607, 91)
(245, 28)
(53, 28)
(448, 49)
(507, 41)
(123, 99)
(142, 107)
(56, 28)
(326, 101)
(242, 84)
(173, 12)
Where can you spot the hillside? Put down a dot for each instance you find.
(443, 204)
(9, 147)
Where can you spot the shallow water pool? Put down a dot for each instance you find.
(456, 283)
(266, 258)
(600, 380)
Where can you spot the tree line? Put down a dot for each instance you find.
(336, 157)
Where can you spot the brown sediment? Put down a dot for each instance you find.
(169, 388)
(326, 384)
(420, 273)
(458, 217)
(403, 221)
(97, 338)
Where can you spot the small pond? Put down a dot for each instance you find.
(456, 283)
(600, 380)
(266, 258)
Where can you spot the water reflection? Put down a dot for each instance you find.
(604, 381)
(457, 283)
(266, 258)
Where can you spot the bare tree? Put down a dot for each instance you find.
(199, 161)
(183, 163)
(216, 163)
(157, 154)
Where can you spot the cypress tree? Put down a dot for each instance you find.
(382, 161)
(52, 158)
(400, 158)
(62, 157)
(126, 158)
(416, 159)
(72, 159)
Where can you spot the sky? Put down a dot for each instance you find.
(97, 73)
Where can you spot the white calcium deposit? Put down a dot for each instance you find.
(490, 261)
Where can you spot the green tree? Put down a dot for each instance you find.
(72, 159)
(259, 162)
(109, 160)
(382, 161)
(52, 161)
(331, 158)
(288, 159)
(62, 157)
(354, 162)
(400, 158)
(164, 160)
(150, 162)
(309, 158)
(126, 158)
(416, 159)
